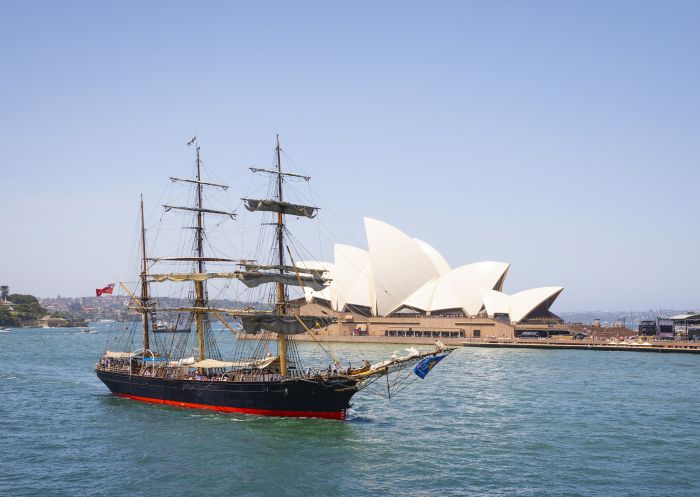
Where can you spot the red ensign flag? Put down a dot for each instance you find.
(108, 289)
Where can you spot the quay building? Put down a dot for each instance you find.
(403, 287)
(680, 327)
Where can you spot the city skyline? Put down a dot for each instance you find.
(561, 139)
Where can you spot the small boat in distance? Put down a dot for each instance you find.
(4, 330)
(166, 327)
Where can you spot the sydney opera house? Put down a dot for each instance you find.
(402, 286)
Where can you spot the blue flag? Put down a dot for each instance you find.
(426, 364)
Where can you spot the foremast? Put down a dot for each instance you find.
(281, 305)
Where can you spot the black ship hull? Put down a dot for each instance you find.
(295, 397)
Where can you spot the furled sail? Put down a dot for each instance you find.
(179, 277)
(283, 325)
(251, 279)
(167, 208)
(317, 273)
(254, 205)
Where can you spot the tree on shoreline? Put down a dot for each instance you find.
(25, 310)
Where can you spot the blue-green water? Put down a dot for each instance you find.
(484, 422)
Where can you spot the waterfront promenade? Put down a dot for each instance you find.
(514, 343)
(654, 346)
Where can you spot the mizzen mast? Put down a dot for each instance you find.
(144, 284)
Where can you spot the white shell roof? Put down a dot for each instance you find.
(495, 302)
(352, 278)
(458, 289)
(399, 265)
(438, 260)
(399, 271)
(520, 304)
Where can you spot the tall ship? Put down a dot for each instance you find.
(265, 371)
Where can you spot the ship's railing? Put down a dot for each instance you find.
(235, 375)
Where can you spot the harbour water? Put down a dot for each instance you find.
(483, 422)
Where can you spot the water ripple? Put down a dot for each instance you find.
(484, 422)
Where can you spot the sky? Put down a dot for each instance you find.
(561, 137)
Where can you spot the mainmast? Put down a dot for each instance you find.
(144, 284)
(199, 285)
(197, 276)
(280, 248)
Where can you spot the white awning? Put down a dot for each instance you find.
(213, 363)
(182, 362)
(119, 355)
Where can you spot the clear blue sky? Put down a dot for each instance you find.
(562, 137)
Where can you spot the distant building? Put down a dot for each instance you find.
(4, 293)
(664, 328)
(647, 328)
(687, 326)
(661, 328)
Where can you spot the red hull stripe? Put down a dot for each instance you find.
(261, 412)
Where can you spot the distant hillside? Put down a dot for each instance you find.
(23, 310)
